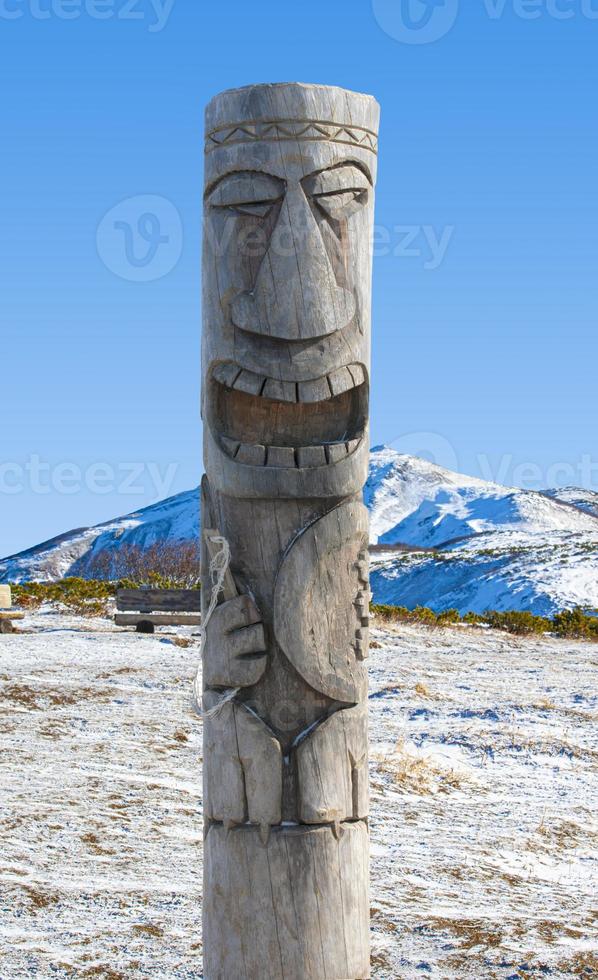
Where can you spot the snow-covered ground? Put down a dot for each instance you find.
(484, 790)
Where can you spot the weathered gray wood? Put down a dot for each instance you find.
(158, 619)
(317, 603)
(242, 770)
(332, 767)
(290, 173)
(158, 600)
(296, 909)
(5, 597)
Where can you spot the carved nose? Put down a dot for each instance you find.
(296, 295)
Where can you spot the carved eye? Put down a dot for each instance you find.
(258, 208)
(250, 193)
(343, 204)
(338, 192)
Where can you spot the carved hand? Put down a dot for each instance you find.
(235, 648)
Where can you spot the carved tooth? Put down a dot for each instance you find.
(249, 382)
(341, 380)
(230, 445)
(314, 391)
(251, 455)
(280, 391)
(352, 445)
(337, 829)
(282, 456)
(311, 456)
(264, 833)
(336, 452)
(226, 374)
(357, 373)
(362, 649)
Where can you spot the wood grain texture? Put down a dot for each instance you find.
(290, 173)
(158, 600)
(296, 909)
(158, 619)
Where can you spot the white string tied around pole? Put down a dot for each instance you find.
(219, 565)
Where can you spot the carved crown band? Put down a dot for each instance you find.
(281, 130)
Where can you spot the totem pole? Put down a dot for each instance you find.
(290, 173)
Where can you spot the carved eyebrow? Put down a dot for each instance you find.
(251, 187)
(337, 180)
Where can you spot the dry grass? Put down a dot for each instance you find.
(47, 697)
(38, 898)
(564, 835)
(418, 772)
(148, 929)
(581, 965)
(94, 844)
(106, 972)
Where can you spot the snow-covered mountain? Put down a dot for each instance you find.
(488, 546)
(174, 519)
(583, 499)
(442, 539)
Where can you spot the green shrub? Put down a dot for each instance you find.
(473, 619)
(519, 623)
(571, 623)
(575, 623)
(449, 617)
(83, 597)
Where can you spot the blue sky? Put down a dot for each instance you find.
(485, 340)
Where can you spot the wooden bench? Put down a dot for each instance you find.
(7, 613)
(147, 608)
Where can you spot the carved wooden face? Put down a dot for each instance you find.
(287, 284)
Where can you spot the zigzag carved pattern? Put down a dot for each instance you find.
(281, 130)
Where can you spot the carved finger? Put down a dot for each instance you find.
(250, 639)
(236, 614)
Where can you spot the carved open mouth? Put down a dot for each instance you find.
(259, 421)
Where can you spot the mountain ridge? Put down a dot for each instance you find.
(444, 540)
